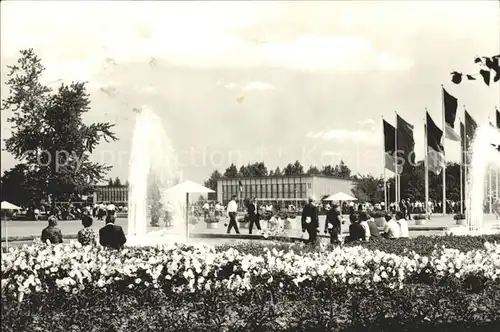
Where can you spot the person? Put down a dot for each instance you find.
(86, 236)
(217, 210)
(310, 222)
(253, 215)
(232, 209)
(333, 223)
(206, 210)
(362, 219)
(111, 235)
(356, 231)
(403, 225)
(374, 232)
(110, 209)
(391, 230)
(36, 213)
(52, 233)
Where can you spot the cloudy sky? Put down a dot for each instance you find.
(251, 81)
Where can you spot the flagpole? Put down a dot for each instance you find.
(383, 160)
(444, 151)
(464, 154)
(426, 170)
(498, 170)
(396, 176)
(461, 174)
(490, 191)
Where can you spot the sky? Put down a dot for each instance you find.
(240, 82)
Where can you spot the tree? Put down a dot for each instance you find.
(18, 188)
(328, 170)
(48, 133)
(111, 183)
(342, 171)
(277, 172)
(294, 169)
(231, 172)
(313, 170)
(212, 180)
(117, 182)
(487, 65)
(368, 188)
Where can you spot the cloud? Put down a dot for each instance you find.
(366, 122)
(258, 86)
(343, 135)
(230, 86)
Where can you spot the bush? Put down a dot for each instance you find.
(459, 216)
(419, 217)
(304, 288)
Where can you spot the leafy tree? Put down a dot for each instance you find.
(271, 173)
(313, 170)
(277, 172)
(117, 182)
(257, 169)
(231, 172)
(294, 169)
(48, 133)
(368, 188)
(212, 180)
(489, 66)
(328, 170)
(111, 183)
(18, 188)
(342, 171)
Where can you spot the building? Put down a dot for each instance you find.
(281, 188)
(116, 195)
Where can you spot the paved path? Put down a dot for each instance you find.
(34, 228)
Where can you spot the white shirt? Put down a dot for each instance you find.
(111, 207)
(392, 229)
(232, 206)
(206, 206)
(367, 230)
(217, 207)
(403, 228)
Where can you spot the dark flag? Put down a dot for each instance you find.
(435, 149)
(405, 142)
(389, 146)
(450, 114)
(462, 144)
(498, 118)
(470, 126)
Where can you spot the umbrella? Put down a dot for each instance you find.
(187, 187)
(340, 196)
(8, 206)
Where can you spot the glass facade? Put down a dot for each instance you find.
(290, 188)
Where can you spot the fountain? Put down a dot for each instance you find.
(483, 155)
(152, 154)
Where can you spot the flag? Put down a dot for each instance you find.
(498, 118)
(462, 144)
(405, 141)
(241, 186)
(435, 149)
(450, 114)
(470, 127)
(389, 146)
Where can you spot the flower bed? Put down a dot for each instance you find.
(206, 289)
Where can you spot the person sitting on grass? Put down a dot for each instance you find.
(363, 218)
(52, 234)
(86, 236)
(403, 225)
(391, 230)
(374, 232)
(356, 231)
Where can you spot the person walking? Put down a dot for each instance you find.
(310, 222)
(232, 209)
(253, 215)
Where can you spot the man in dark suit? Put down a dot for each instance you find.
(356, 231)
(253, 215)
(310, 222)
(111, 235)
(51, 233)
(333, 224)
